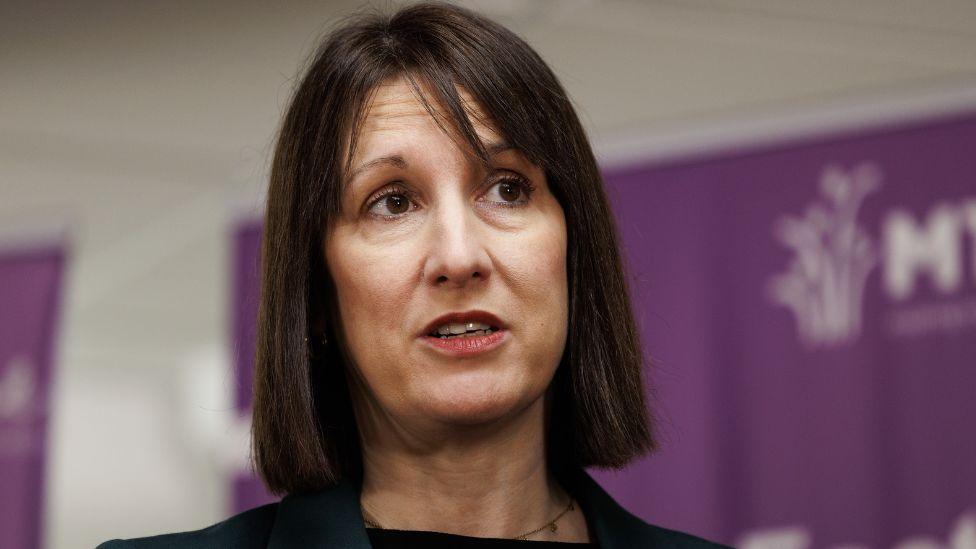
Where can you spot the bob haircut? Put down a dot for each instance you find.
(304, 431)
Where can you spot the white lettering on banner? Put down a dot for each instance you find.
(934, 248)
(943, 317)
(832, 258)
(17, 388)
(961, 536)
(922, 542)
(793, 537)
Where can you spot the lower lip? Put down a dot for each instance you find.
(468, 345)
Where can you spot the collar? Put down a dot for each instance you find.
(322, 520)
(332, 518)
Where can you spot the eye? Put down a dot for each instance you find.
(511, 191)
(391, 202)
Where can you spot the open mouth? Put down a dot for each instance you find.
(461, 330)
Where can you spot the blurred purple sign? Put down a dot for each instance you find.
(247, 489)
(809, 312)
(30, 287)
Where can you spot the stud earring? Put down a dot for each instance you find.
(323, 341)
(315, 350)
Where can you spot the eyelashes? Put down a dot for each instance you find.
(517, 182)
(395, 197)
(395, 190)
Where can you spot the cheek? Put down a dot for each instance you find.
(370, 283)
(538, 262)
(539, 280)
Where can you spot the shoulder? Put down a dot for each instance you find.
(655, 536)
(631, 531)
(249, 529)
(615, 527)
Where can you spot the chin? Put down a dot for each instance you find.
(474, 401)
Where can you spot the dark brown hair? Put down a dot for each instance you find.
(304, 431)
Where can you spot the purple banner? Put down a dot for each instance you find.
(247, 489)
(30, 286)
(810, 316)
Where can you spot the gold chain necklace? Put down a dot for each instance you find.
(551, 525)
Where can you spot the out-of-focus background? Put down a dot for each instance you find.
(134, 144)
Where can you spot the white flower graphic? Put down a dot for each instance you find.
(833, 256)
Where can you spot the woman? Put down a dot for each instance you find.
(445, 337)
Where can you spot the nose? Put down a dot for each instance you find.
(457, 255)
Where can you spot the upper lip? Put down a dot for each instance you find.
(462, 317)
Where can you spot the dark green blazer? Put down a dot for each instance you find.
(332, 519)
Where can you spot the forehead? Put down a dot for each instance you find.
(395, 108)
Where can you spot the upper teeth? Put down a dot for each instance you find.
(459, 328)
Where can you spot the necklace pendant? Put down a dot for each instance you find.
(552, 526)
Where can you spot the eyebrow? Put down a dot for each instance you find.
(398, 161)
(393, 160)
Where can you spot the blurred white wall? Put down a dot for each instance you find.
(146, 128)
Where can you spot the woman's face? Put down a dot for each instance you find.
(426, 231)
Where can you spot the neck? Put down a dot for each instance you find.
(482, 481)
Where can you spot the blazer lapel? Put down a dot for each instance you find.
(613, 526)
(324, 520)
